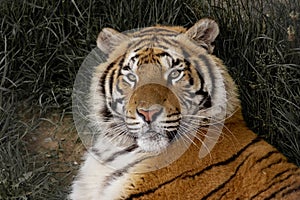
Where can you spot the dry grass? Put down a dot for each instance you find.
(42, 45)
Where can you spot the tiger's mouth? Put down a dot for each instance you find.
(152, 141)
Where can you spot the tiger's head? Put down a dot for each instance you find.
(159, 84)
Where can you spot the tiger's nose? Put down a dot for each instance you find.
(149, 115)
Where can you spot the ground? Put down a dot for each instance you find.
(56, 141)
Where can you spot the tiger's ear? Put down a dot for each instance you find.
(204, 32)
(108, 38)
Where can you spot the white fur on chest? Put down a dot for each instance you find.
(104, 173)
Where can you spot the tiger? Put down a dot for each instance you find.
(160, 90)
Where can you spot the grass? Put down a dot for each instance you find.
(43, 43)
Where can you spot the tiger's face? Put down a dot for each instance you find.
(157, 85)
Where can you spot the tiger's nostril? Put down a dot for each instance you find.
(148, 115)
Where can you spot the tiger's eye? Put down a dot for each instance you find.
(175, 74)
(131, 77)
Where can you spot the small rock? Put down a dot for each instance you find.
(48, 139)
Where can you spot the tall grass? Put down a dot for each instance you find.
(42, 44)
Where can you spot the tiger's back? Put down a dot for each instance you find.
(161, 85)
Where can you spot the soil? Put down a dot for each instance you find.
(56, 142)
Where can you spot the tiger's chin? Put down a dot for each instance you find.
(153, 142)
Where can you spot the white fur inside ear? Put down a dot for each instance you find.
(108, 39)
(205, 30)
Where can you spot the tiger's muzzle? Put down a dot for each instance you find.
(155, 111)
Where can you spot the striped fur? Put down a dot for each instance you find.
(162, 87)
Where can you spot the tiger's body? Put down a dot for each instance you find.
(161, 87)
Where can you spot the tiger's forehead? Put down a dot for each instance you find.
(159, 30)
(160, 37)
(155, 45)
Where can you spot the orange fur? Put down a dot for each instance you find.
(239, 167)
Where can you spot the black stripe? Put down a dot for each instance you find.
(272, 184)
(163, 54)
(283, 172)
(210, 73)
(133, 123)
(171, 121)
(290, 191)
(202, 82)
(266, 156)
(103, 77)
(223, 194)
(171, 135)
(191, 80)
(137, 44)
(111, 81)
(185, 54)
(171, 126)
(162, 46)
(120, 153)
(274, 163)
(133, 129)
(183, 176)
(207, 103)
(169, 42)
(272, 196)
(228, 180)
(118, 89)
(189, 72)
(157, 29)
(106, 113)
(96, 152)
(118, 173)
(173, 114)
